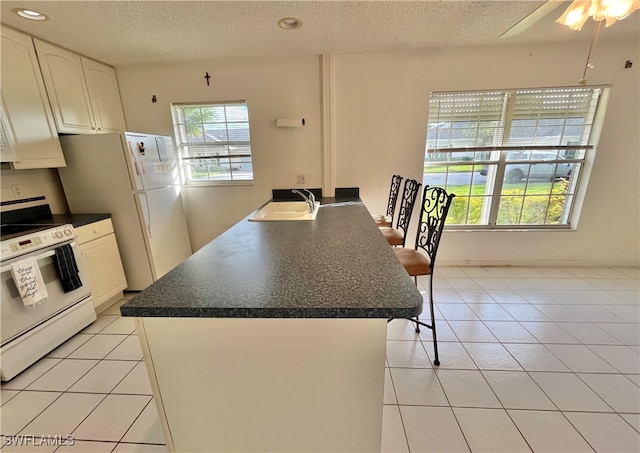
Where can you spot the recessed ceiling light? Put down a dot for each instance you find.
(29, 14)
(289, 23)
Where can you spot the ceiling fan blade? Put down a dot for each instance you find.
(532, 18)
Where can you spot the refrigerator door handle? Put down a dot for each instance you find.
(139, 171)
(146, 206)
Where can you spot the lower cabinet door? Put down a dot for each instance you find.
(105, 268)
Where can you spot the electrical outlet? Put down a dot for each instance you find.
(301, 178)
(17, 190)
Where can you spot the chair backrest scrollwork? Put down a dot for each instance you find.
(393, 195)
(435, 206)
(409, 195)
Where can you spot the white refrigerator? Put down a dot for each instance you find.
(134, 177)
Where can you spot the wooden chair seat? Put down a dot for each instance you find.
(393, 236)
(414, 262)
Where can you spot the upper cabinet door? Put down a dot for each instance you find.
(7, 140)
(64, 79)
(28, 124)
(104, 95)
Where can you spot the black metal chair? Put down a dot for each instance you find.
(397, 236)
(387, 219)
(435, 206)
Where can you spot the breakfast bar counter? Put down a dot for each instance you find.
(272, 337)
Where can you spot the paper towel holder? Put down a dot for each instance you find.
(289, 122)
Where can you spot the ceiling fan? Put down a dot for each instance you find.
(531, 18)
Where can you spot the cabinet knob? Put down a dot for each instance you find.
(95, 231)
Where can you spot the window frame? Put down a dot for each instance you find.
(186, 157)
(499, 151)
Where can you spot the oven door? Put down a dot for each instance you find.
(16, 318)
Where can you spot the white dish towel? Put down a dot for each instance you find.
(28, 279)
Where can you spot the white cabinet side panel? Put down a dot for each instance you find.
(269, 384)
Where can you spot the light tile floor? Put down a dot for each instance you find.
(532, 359)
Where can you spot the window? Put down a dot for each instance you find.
(513, 158)
(214, 142)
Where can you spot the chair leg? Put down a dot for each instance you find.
(415, 278)
(433, 321)
(418, 323)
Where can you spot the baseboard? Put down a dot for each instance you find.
(539, 263)
(109, 302)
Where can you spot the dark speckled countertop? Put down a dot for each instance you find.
(78, 220)
(336, 266)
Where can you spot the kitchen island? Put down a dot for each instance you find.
(272, 337)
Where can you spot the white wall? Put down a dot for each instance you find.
(381, 107)
(34, 183)
(381, 115)
(288, 88)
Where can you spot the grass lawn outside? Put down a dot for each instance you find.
(535, 203)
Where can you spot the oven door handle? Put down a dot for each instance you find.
(38, 258)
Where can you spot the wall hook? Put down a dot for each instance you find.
(207, 76)
(628, 64)
(154, 99)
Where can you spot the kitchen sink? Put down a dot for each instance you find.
(278, 211)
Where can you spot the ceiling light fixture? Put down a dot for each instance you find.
(29, 14)
(608, 10)
(291, 23)
(601, 10)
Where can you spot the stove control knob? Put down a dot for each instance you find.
(67, 232)
(58, 234)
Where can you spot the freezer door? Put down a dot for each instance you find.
(166, 228)
(154, 161)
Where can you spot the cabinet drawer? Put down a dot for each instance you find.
(94, 230)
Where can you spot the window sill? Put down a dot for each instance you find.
(562, 229)
(218, 183)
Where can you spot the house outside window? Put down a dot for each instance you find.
(514, 158)
(214, 142)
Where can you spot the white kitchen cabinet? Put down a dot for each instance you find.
(104, 95)
(99, 249)
(7, 140)
(84, 93)
(29, 137)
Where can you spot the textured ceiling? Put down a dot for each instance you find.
(125, 32)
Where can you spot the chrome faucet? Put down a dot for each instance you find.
(311, 199)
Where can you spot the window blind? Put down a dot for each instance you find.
(214, 141)
(508, 118)
(210, 130)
